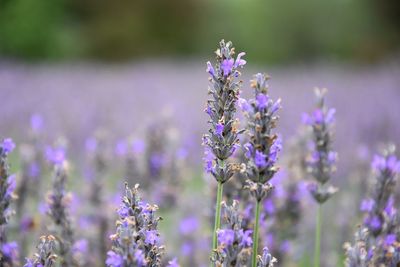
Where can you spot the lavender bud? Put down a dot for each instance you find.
(263, 146)
(221, 107)
(321, 160)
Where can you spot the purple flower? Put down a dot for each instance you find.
(244, 105)
(10, 250)
(276, 106)
(260, 159)
(226, 236)
(12, 184)
(262, 101)
(249, 150)
(114, 259)
(151, 237)
(121, 148)
(210, 69)
(390, 239)
(375, 223)
(173, 263)
(140, 258)
(367, 205)
(239, 61)
(227, 66)
(80, 246)
(247, 239)
(8, 145)
(330, 116)
(55, 155)
(188, 225)
(219, 129)
(318, 116)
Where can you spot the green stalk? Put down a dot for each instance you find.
(317, 249)
(217, 224)
(255, 235)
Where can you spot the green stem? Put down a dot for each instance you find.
(217, 224)
(255, 235)
(317, 249)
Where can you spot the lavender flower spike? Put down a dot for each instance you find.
(266, 260)
(8, 250)
(57, 201)
(222, 138)
(136, 241)
(45, 255)
(262, 149)
(264, 145)
(358, 255)
(322, 159)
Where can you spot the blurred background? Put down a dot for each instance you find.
(272, 31)
(123, 67)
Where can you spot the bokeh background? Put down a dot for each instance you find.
(123, 66)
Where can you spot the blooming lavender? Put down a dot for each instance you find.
(8, 250)
(45, 255)
(137, 240)
(266, 259)
(359, 254)
(385, 167)
(381, 215)
(321, 163)
(234, 243)
(58, 200)
(263, 146)
(222, 138)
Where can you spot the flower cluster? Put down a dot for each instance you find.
(45, 255)
(137, 240)
(378, 206)
(58, 200)
(264, 145)
(8, 250)
(359, 254)
(266, 259)
(222, 139)
(234, 243)
(322, 159)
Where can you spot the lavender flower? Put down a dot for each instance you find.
(263, 146)
(8, 250)
(45, 255)
(234, 243)
(136, 242)
(321, 162)
(359, 254)
(386, 167)
(58, 211)
(222, 139)
(221, 107)
(266, 260)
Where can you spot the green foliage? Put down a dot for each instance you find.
(271, 30)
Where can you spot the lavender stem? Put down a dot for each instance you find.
(255, 235)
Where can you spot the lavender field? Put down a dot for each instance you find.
(81, 130)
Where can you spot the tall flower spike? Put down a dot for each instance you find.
(57, 201)
(222, 138)
(234, 243)
(322, 159)
(8, 250)
(136, 241)
(263, 147)
(385, 167)
(221, 107)
(359, 254)
(45, 255)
